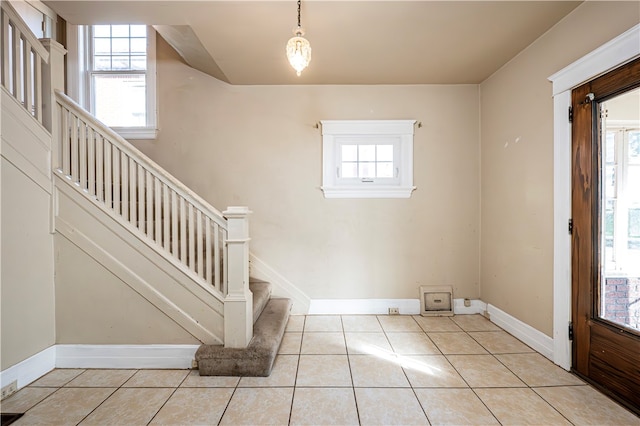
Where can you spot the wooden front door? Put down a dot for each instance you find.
(606, 233)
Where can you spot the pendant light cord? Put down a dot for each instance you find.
(299, 2)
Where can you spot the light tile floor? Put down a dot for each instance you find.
(340, 370)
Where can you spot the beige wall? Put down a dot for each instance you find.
(93, 306)
(517, 161)
(257, 146)
(26, 285)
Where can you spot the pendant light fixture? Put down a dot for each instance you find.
(298, 48)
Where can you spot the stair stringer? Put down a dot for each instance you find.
(116, 245)
(281, 287)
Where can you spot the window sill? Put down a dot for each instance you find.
(136, 132)
(360, 192)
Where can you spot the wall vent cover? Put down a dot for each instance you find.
(436, 300)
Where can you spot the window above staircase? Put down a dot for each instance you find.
(115, 76)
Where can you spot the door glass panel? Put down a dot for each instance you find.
(620, 210)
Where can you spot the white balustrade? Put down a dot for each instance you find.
(23, 57)
(115, 175)
(201, 241)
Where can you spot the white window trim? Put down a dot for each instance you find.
(79, 83)
(396, 131)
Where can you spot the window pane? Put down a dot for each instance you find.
(138, 30)
(385, 152)
(633, 183)
(120, 31)
(385, 170)
(102, 30)
(608, 220)
(349, 152)
(120, 45)
(102, 46)
(120, 100)
(634, 223)
(102, 63)
(367, 152)
(609, 181)
(139, 45)
(139, 63)
(634, 147)
(366, 170)
(120, 63)
(610, 147)
(349, 170)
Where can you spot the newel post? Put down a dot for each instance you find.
(52, 80)
(238, 304)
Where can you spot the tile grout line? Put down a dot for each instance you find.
(530, 388)
(175, 389)
(472, 389)
(103, 401)
(404, 371)
(353, 385)
(226, 407)
(512, 372)
(295, 379)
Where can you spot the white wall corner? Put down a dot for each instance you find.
(30, 369)
(125, 356)
(527, 334)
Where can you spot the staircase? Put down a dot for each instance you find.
(270, 316)
(183, 256)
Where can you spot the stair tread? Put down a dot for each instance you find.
(256, 360)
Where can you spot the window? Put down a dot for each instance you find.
(118, 77)
(367, 158)
(622, 212)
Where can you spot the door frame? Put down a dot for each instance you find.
(616, 52)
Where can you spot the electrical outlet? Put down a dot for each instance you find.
(394, 311)
(10, 389)
(467, 302)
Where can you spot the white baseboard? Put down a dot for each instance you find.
(99, 356)
(125, 356)
(477, 307)
(381, 306)
(363, 306)
(181, 356)
(30, 369)
(529, 335)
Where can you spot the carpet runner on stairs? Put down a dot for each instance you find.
(257, 359)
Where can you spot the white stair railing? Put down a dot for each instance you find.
(23, 57)
(125, 182)
(114, 175)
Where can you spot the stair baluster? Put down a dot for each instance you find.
(117, 176)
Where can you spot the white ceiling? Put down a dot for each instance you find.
(353, 42)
